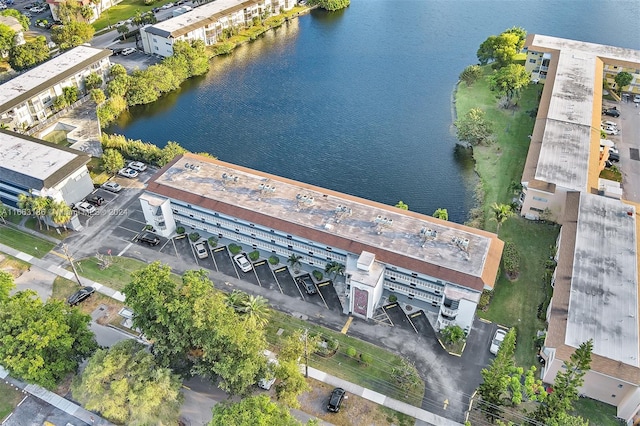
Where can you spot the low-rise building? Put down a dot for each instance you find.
(31, 166)
(97, 7)
(207, 23)
(27, 99)
(439, 263)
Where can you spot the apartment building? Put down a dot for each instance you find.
(32, 166)
(97, 7)
(27, 99)
(564, 154)
(207, 23)
(382, 247)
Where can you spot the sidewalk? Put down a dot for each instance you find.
(57, 401)
(415, 412)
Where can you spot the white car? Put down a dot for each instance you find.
(85, 208)
(137, 166)
(242, 262)
(636, 99)
(497, 340)
(610, 130)
(201, 250)
(128, 51)
(167, 6)
(112, 186)
(128, 173)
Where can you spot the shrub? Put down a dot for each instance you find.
(332, 344)
(393, 298)
(485, 298)
(148, 227)
(366, 359)
(180, 230)
(213, 241)
(274, 260)
(317, 275)
(453, 334)
(511, 258)
(234, 249)
(194, 236)
(254, 255)
(351, 352)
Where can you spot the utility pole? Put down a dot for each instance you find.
(70, 259)
(306, 353)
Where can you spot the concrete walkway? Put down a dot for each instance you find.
(416, 412)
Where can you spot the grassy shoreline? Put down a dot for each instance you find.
(498, 164)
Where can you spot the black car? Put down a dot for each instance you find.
(614, 157)
(152, 240)
(80, 295)
(94, 199)
(612, 112)
(307, 283)
(335, 400)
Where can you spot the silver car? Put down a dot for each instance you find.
(201, 250)
(85, 208)
(112, 186)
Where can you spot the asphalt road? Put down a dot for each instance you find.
(626, 141)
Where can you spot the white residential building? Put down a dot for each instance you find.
(207, 23)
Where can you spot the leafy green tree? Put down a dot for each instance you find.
(334, 268)
(566, 385)
(117, 70)
(256, 310)
(195, 56)
(255, 410)
(6, 38)
(522, 36)
(330, 5)
(24, 21)
(170, 151)
(564, 419)
(496, 377)
(98, 96)
(441, 214)
(6, 285)
(126, 386)
(509, 80)
(72, 34)
(86, 12)
(402, 206)
(453, 334)
(622, 80)
(501, 49)
(294, 261)
(292, 383)
(70, 94)
(29, 54)
(194, 329)
(112, 160)
(473, 128)
(119, 86)
(501, 212)
(42, 343)
(93, 81)
(40, 208)
(123, 30)
(471, 74)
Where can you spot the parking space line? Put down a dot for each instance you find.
(320, 293)
(384, 309)
(346, 325)
(281, 269)
(127, 229)
(125, 249)
(295, 281)
(218, 249)
(214, 259)
(276, 278)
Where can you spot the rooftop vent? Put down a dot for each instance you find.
(382, 223)
(266, 189)
(341, 212)
(427, 234)
(462, 243)
(304, 200)
(228, 178)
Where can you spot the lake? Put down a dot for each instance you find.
(359, 100)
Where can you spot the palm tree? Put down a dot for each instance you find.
(41, 206)
(441, 214)
(501, 212)
(236, 299)
(3, 213)
(294, 261)
(60, 213)
(334, 268)
(401, 205)
(256, 309)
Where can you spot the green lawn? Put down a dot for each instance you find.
(376, 376)
(9, 399)
(11, 264)
(116, 276)
(598, 413)
(24, 242)
(32, 223)
(122, 11)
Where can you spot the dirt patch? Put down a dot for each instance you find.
(354, 411)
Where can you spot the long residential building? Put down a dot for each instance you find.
(27, 99)
(382, 247)
(31, 166)
(207, 23)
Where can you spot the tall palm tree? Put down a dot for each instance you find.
(41, 207)
(441, 214)
(334, 268)
(294, 261)
(256, 309)
(501, 212)
(60, 213)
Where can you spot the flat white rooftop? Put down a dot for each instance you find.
(564, 153)
(47, 74)
(30, 158)
(198, 17)
(195, 180)
(603, 303)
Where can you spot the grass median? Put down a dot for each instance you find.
(9, 399)
(24, 242)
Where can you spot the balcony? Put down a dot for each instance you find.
(452, 313)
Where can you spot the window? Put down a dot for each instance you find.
(543, 200)
(536, 210)
(532, 61)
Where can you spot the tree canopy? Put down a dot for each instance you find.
(126, 386)
(330, 5)
(473, 128)
(255, 410)
(112, 160)
(623, 79)
(72, 34)
(42, 342)
(24, 21)
(29, 54)
(509, 80)
(6, 285)
(193, 328)
(501, 49)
